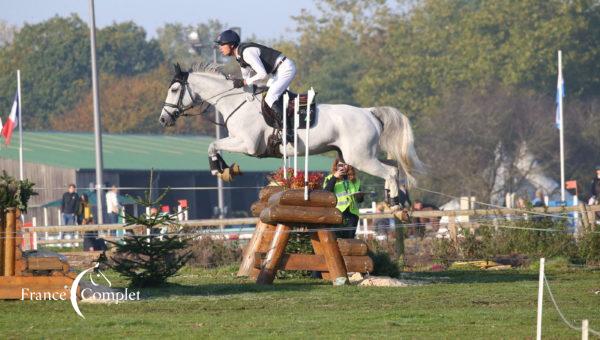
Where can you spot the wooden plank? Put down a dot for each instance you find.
(44, 263)
(274, 254)
(333, 257)
(361, 264)
(295, 197)
(352, 246)
(26, 287)
(301, 215)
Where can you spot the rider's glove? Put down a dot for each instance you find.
(238, 83)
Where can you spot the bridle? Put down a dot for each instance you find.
(180, 109)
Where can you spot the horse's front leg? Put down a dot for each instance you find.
(218, 166)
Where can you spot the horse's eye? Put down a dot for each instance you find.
(175, 87)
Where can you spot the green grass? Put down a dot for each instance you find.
(214, 303)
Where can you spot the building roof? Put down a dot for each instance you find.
(134, 152)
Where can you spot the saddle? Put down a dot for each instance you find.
(274, 117)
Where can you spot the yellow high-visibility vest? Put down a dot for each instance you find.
(344, 190)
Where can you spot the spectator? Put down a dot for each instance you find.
(113, 207)
(521, 203)
(422, 222)
(382, 225)
(538, 200)
(343, 182)
(84, 216)
(69, 205)
(595, 188)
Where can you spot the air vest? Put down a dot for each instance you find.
(268, 56)
(343, 190)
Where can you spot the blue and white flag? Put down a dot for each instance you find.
(560, 93)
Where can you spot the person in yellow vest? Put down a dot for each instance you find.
(346, 186)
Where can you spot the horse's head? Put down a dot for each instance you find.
(180, 98)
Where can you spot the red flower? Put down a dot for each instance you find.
(315, 179)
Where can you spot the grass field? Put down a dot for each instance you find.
(214, 303)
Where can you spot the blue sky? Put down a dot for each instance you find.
(266, 19)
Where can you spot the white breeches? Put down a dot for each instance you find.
(280, 81)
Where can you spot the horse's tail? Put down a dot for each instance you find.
(398, 141)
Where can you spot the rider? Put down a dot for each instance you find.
(258, 63)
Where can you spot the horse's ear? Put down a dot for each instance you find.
(177, 68)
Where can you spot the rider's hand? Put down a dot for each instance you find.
(339, 173)
(238, 83)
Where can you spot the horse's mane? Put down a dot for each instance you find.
(208, 67)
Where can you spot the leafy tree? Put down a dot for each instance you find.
(124, 50)
(54, 57)
(129, 105)
(468, 44)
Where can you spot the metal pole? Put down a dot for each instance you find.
(220, 194)
(19, 112)
(562, 127)
(97, 121)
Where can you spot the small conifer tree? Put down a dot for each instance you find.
(149, 260)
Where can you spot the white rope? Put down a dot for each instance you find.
(562, 316)
(495, 206)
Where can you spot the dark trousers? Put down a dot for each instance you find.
(350, 221)
(113, 218)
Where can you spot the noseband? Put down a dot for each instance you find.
(180, 109)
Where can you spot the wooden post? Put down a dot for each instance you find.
(260, 233)
(9, 245)
(452, 229)
(269, 269)
(333, 256)
(318, 249)
(592, 218)
(585, 221)
(2, 242)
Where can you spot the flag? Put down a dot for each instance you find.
(560, 93)
(12, 122)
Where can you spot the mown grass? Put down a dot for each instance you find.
(214, 303)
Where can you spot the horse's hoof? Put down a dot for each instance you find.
(235, 170)
(225, 175)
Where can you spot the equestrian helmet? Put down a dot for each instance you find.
(228, 37)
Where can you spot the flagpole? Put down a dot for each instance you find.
(97, 120)
(19, 111)
(562, 127)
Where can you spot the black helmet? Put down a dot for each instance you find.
(597, 167)
(228, 37)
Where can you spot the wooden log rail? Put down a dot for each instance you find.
(211, 223)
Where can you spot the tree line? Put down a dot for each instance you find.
(476, 78)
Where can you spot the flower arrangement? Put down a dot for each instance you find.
(315, 179)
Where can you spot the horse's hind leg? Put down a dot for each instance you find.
(374, 167)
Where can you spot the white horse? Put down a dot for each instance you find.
(357, 134)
